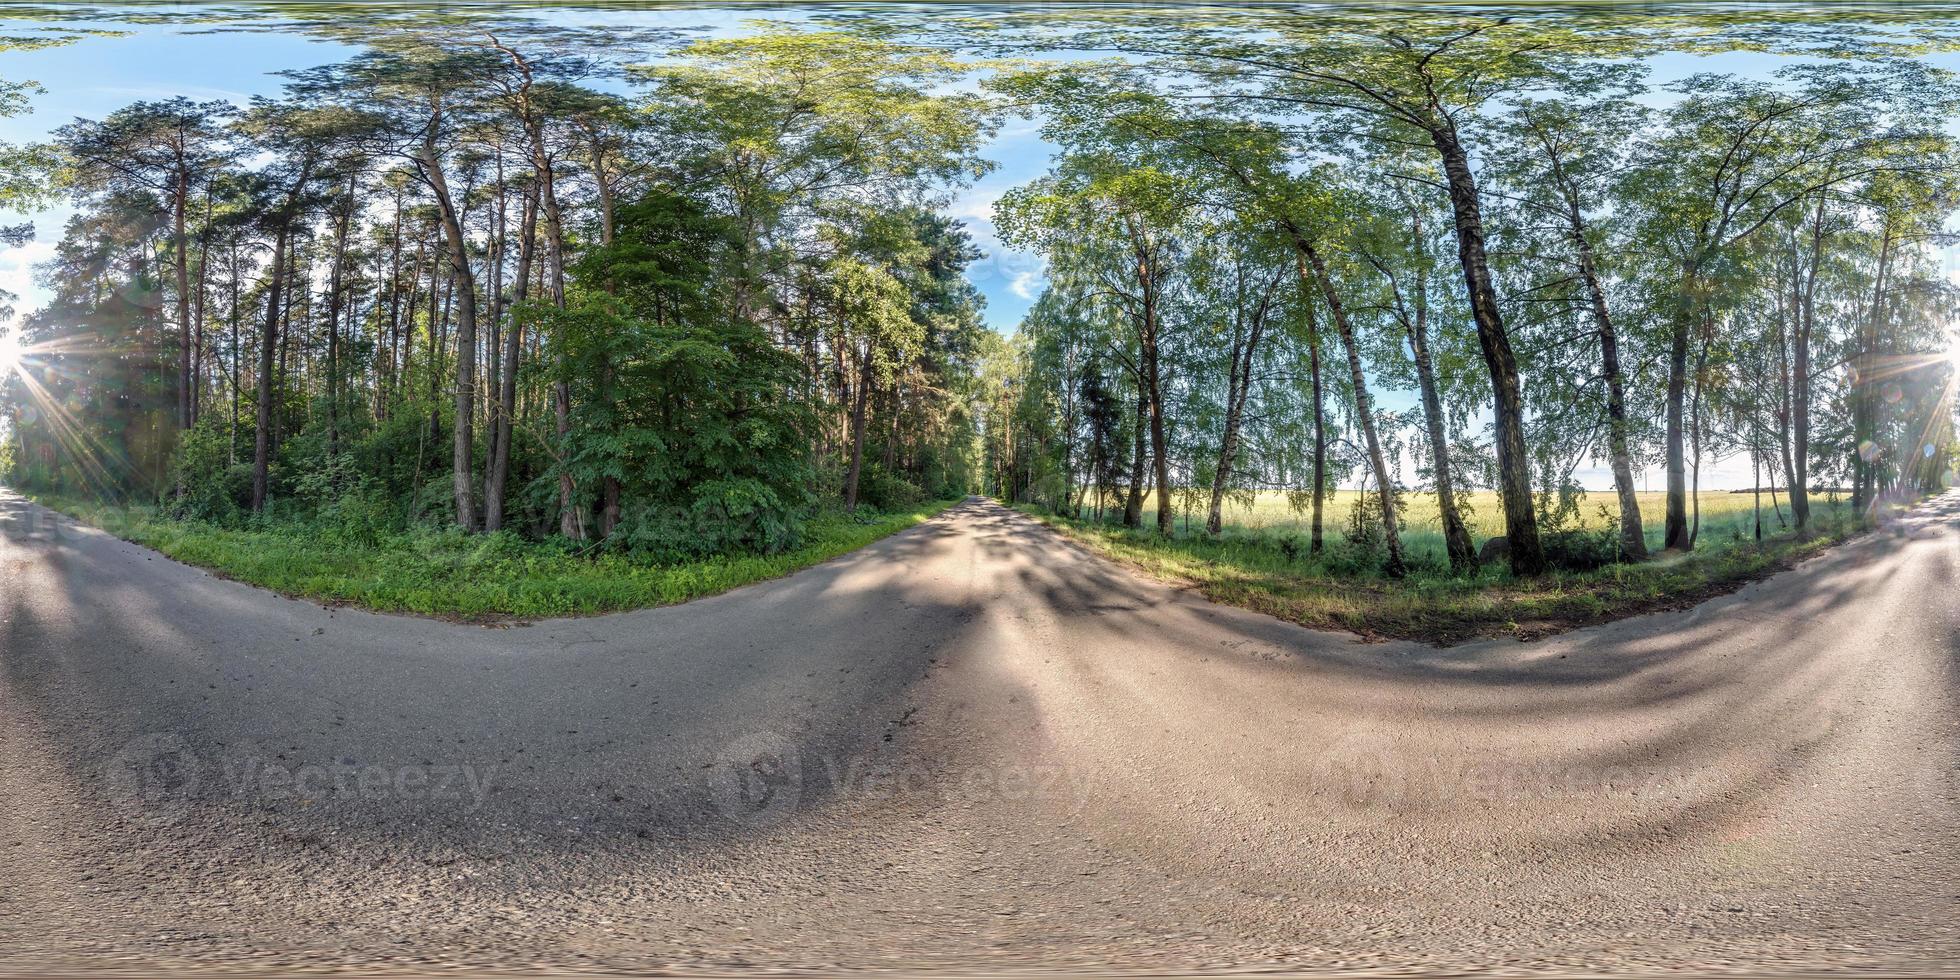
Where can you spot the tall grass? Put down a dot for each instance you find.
(451, 574)
(1261, 562)
(1726, 517)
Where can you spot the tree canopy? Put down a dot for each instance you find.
(669, 294)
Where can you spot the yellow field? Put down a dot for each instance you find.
(1720, 512)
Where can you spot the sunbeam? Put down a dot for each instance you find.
(10, 353)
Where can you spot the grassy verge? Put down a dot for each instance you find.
(468, 577)
(1252, 570)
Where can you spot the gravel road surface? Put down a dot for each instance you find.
(972, 747)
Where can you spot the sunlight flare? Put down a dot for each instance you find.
(10, 353)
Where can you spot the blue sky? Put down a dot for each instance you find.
(95, 76)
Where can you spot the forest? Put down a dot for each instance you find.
(451, 284)
(669, 305)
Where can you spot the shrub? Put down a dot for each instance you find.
(1582, 549)
(715, 517)
(348, 505)
(215, 488)
(1364, 541)
(1294, 547)
(887, 491)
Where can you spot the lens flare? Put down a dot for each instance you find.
(10, 351)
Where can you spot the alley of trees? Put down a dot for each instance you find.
(1562, 260)
(672, 306)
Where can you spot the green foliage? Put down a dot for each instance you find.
(1272, 572)
(348, 505)
(1579, 549)
(736, 296)
(682, 404)
(474, 577)
(215, 486)
(883, 490)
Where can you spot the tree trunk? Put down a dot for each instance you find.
(462, 286)
(236, 350)
(493, 339)
(569, 524)
(198, 366)
(1677, 536)
(1159, 453)
(1701, 372)
(1221, 473)
(1513, 459)
(180, 202)
(438, 334)
(1316, 539)
(1133, 504)
(1456, 537)
(859, 400)
(268, 350)
(1784, 391)
(1800, 377)
(602, 181)
(499, 474)
(1864, 404)
(335, 278)
(1364, 408)
(890, 460)
(1238, 388)
(1756, 481)
(611, 490)
(386, 399)
(1633, 533)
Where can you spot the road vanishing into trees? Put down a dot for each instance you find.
(971, 746)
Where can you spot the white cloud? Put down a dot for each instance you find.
(1025, 283)
(202, 93)
(17, 264)
(17, 272)
(976, 204)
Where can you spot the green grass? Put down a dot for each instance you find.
(1723, 515)
(470, 577)
(1252, 567)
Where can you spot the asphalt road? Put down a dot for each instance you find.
(972, 747)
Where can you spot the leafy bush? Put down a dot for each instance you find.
(717, 517)
(1364, 541)
(884, 490)
(1294, 547)
(682, 411)
(1582, 549)
(214, 487)
(349, 505)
